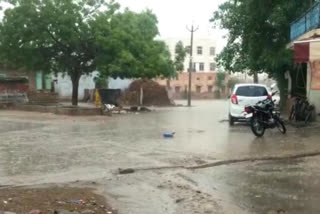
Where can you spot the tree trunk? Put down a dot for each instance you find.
(75, 88)
(141, 96)
(169, 83)
(255, 77)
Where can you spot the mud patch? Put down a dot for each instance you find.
(20, 200)
(191, 200)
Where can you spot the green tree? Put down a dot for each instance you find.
(180, 56)
(221, 81)
(232, 82)
(258, 35)
(130, 47)
(77, 37)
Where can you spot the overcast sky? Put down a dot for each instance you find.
(175, 15)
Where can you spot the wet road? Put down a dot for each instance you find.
(42, 148)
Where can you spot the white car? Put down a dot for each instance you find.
(244, 95)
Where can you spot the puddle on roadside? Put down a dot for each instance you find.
(9, 126)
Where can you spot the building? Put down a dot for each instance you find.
(204, 67)
(44, 87)
(63, 85)
(305, 42)
(13, 90)
(203, 85)
(204, 53)
(119, 83)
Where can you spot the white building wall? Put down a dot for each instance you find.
(119, 83)
(246, 78)
(64, 85)
(205, 43)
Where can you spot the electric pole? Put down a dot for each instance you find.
(191, 69)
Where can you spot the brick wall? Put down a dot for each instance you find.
(203, 85)
(29, 87)
(20, 73)
(13, 90)
(42, 97)
(201, 82)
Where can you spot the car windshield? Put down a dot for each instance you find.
(252, 91)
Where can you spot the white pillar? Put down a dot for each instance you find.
(289, 78)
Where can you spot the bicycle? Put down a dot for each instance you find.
(301, 110)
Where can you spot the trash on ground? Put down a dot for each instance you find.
(109, 107)
(179, 200)
(126, 171)
(61, 202)
(77, 202)
(169, 135)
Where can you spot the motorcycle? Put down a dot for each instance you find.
(264, 116)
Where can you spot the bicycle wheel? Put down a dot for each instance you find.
(308, 118)
(282, 128)
(292, 114)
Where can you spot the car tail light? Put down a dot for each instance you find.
(269, 97)
(234, 99)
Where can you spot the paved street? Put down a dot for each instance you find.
(44, 148)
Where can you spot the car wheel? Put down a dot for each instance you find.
(231, 120)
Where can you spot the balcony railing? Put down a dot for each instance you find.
(309, 21)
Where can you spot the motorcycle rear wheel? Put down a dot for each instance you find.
(257, 128)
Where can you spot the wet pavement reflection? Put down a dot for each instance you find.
(40, 148)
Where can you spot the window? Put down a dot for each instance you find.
(43, 81)
(177, 89)
(194, 67)
(212, 66)
(198, 89)
(210, 88)
(201, 66)
(188, 49)
(212, 51)
(199, 50)
(252, 91)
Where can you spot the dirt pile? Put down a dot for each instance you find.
(53, 200)
(153, 94)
